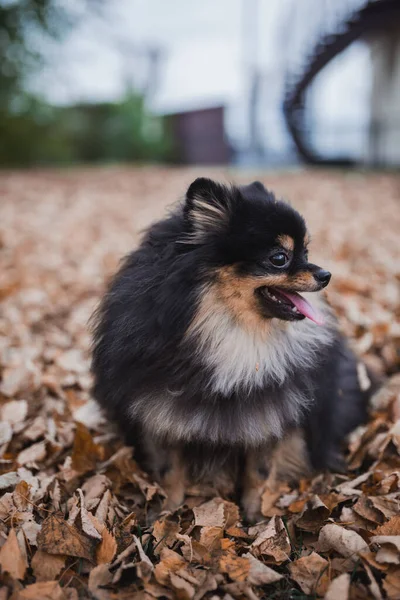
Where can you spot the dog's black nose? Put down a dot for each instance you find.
(323, 276)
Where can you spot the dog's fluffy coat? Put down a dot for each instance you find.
(204, 371)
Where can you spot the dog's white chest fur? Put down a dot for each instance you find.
(243, 359)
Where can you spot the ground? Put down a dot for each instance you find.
(78, 518)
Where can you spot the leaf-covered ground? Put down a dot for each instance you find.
(78, 518)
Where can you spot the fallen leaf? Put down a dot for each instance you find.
(343, 541)
(165, 533)
(392, 527)
(46, 566)
(99, 577)
(339, 588)
(391, 584)
(12, 559)
(9, 480)
(365, 508)
(183, 589)
(259, 573)
(273, 542)
(18, 379)
(106, 550)
(6, 432)
(58, 537)
(389, 551)
(216, 513)
(85, 453)
(210, 537)
(236, 567)
(49, 590)
(313, 515)
(389, 507)
(170, 562)
(373, 584)
(32, 454)
(36, 429)
(310, 573)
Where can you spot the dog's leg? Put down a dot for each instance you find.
(290, 461)
(173, 480)
(257, 468)
(285, 461)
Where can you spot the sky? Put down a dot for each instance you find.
(208, 49)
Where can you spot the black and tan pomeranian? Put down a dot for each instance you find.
(210, 360)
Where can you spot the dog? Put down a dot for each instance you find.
(216, 355)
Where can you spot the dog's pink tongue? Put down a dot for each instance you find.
(304, 307)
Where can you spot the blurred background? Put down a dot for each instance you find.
(242, 82)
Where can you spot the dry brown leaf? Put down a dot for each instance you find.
(98, 577)
(32, 454)
(89, 525)
(210, 537)
(389, 551)
(14, 412)
(216, 513)
(365, 508)
(106, 550)
(272, 542)
(6, 432)
(46, 566)
(36, 429)
(373, 584)
(392, 527)
(12, 559)
(344, 542)
(259, 573)
(391, 584)
(170, 562)
(389, 507)
(85, 453)
(339, 588)
(310, 573)
(58, 537)
(9, 480)
(95, 487)
(49, 590)
(182, 588)
(19, 379)
(236, 567)
(165, 533)
(313, 515)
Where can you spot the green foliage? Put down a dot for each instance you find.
(33, 132)
(40, 134)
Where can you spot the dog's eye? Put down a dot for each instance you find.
(280, 259)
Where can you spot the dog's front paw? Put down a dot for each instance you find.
(251, 503)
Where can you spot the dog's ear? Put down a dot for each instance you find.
(255, 190)
(207, 208)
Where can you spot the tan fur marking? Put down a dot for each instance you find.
(253, 482)
(286, 242)
(237, 294)
(302, 282)
(174, 482)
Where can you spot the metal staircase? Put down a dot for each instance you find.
(368, 20)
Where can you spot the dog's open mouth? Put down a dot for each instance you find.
(291, 305)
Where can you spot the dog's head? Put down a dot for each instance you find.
(254, 249)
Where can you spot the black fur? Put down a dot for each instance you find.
(141, 348)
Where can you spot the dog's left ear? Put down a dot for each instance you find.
(207, 207)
